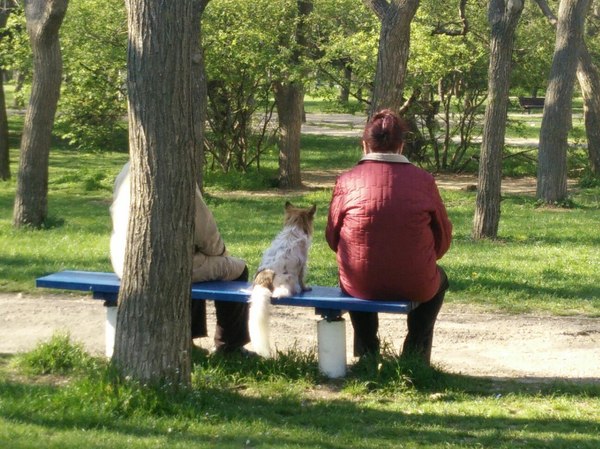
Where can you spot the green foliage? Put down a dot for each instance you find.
(589, 180)
(345, 51)
(15, 53)
(59, 355)
(93, 100)
(534, 49)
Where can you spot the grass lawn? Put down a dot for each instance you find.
(283, 403)
(546, 260)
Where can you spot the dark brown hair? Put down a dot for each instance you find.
(384, 133)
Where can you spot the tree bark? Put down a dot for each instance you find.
(556, 121)
(289, 100)
(153, 339)
(503, 17)
(589, 83)
(392, 56)
(44, 19)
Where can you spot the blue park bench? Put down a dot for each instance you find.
(329, 302)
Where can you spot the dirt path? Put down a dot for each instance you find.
(467, 341)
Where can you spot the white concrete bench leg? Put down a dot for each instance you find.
(110, 328)
(331, 337)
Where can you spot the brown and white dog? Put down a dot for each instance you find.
(281, 272)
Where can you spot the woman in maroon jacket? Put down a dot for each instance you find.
(388, 226)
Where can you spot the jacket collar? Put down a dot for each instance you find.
(385, 157)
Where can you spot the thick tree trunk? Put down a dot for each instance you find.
(289, 98)
(503, 17)
(44, 19)
(4, 154)
(153, 339)
(589, 82)
(392, 57)
(556, 121)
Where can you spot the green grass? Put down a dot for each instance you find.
(546, 259)
(285, 403)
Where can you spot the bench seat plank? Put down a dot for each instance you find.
(106, 286)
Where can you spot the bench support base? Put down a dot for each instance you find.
(331, 337)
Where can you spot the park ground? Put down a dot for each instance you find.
(468, 340)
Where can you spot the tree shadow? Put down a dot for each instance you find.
(228, 417)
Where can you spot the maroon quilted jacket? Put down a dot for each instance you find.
(388, 226)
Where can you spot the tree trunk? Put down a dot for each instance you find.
(589, 82)
(153, 339)
(556, 121)
(503, 17)
(392, 56)
(289, 98)
(4, 153)
(345, 87)
(44, 19)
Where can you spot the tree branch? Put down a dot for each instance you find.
(543, 4)
(379, 7)
(462, 24)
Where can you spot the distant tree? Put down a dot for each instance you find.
(153, 342)
(345, 46)
(241, 65)
(289, 98)
(394, 46)
(44, 18)
(589, 83)
(5, 10)
(556, 121)
(503, 17)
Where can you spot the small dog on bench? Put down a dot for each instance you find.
(281, 272)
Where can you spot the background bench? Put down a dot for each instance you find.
(329, 302)
(529, 103)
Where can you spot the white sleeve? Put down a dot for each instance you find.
(119, 212)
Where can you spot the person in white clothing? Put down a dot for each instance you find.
(211, 262)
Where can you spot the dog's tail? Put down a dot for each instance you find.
(260, 313)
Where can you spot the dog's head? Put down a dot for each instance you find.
(300, 217)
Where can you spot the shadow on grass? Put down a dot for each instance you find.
(227, 416)
(492, 280)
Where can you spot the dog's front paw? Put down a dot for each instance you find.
(305, 288)
(281, 292)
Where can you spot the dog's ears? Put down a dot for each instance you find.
(311, 211)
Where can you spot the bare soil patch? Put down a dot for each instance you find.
(467, 340)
